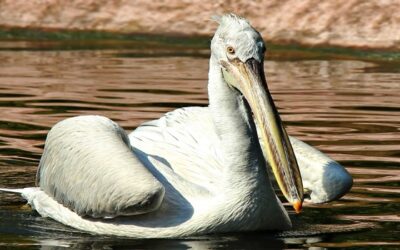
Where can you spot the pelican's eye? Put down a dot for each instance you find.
(230, 50)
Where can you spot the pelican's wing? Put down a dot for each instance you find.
(186, 142)
(88, 166)
(323, 178)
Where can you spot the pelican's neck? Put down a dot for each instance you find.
(245, 179)
(236, 129)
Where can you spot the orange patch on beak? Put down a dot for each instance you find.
(297, 205)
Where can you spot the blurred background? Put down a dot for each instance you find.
(342, 23)
(332, 68)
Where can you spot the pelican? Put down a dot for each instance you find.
(196, 170)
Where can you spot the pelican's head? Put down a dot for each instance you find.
(239, 51)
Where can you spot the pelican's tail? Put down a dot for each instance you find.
(12, 190)
(26, 193)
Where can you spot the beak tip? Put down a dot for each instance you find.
(297, 205)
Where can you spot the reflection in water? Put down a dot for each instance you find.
(348, 109)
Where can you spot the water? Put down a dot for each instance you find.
(349, 109)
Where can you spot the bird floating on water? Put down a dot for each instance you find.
(196, 170)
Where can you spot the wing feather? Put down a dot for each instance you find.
(88, 166)
(187, 141)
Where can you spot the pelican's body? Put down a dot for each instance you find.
(194, 170)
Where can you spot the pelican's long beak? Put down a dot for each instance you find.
(249, 79)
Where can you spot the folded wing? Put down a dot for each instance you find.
(88, 166)
(186, 141)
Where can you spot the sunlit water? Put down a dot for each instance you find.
(348, 109)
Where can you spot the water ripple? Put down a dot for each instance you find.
(348, 109)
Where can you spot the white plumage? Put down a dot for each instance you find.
(193, 171)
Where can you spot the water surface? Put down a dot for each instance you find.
(349, 109)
